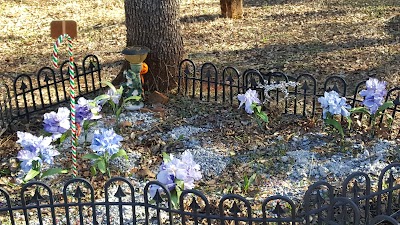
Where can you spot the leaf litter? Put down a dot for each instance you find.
(354, 39)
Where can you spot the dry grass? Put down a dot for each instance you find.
(356, 38)
(26, 43)
(325, 37)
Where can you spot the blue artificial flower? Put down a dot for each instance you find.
(106, 141)
(27, 157)
(57, 123)
(334, 104)
(27, 141)
(374, 95)
(47, 155)
(34, 149)
(248, 99)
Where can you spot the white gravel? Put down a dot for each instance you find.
(305, 166)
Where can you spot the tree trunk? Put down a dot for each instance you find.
(155, 24)
(232, 8)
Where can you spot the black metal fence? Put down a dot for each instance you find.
(356, 201)
(30, 94)
(209, 84)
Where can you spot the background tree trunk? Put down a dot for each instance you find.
(232, 8)
(155, 24)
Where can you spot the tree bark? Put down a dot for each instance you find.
(155, 24)
(232, 8)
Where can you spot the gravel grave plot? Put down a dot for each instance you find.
(285, 164)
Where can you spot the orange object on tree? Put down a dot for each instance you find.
(145, 69)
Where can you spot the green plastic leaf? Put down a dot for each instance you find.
(101, 164)
(91, 156)
(385, 106)
(180, 184)
(336, 125)
(166, 157)
(109, 84)
(134, 98)
(349, 122)
(36, 165)
(360, 110)
(263, 116)
(101, 97)
(31, 174)
(65, 135)
(252, 178)
(93, 170)
(53, 171)
(120, 153)
(174, 199)
(87, 124)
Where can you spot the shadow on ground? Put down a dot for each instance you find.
(200, 18)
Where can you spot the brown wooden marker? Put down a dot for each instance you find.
(59, 27)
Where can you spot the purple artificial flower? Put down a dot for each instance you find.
(334, 104)
(57, 123)
(82, 111)
(34, 149)
(248, 99)
(106, 141)
(184, 169)
(165, 178)
(374, 95)
(192, 170)
(86, 110)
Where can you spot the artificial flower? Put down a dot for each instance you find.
(248, 99)
(34, 149)
(333, 104)
(57, 123)
(374, 95)
(112, 94)
(106, 141)
(86, 110)
(27, 157)
(174, 170)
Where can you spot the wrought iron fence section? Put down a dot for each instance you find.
(5, 106)
(302, 99)
(31, 94)
(321, 204)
